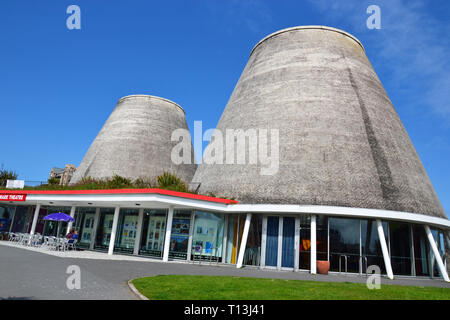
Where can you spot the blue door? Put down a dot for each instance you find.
(272, 241)
(287, 254)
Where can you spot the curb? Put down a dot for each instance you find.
(135, 291)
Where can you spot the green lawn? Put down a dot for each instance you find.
(177, 287)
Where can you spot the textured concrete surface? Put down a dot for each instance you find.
(135, 141)
(341, 141)
(36, 275)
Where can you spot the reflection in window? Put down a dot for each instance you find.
(6, 216)
(371, 246)
(153, 232)
(179, 238)
(104, 229)
(400, 244)
(234, 235)
(252, 253)
(421, 251)
(305, 240)
(344, 241)
(52, 228)
(208, 236)
(84, 224)
(126, 230)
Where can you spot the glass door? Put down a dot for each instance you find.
(288, 249)
(272, 241)
(104, 229)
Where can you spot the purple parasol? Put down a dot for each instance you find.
(59, 216)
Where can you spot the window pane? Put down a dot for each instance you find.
(126, 230)
(153, 232)
(179, 238)
(371, 246)
(208, 236)
(252, 253)
(344, 241)
(104, 228)
(400, 243)
(421, 251)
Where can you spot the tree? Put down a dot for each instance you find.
(6, 175)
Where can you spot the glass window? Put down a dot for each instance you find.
(305, 240)
(252, 255)
(51, 228)
(179, 238)
(23, 219)
(400, 244)
(344, 241)
(104, 228)
(126, 230)
(84, 224)
(153, 232)
(6, 216)
(208, 236)
(421, 251)
(272, 241)
(371, 246)
(234, 235)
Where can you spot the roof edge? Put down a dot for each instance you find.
(150, 97)
(306, 28)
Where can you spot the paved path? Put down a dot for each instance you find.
(25, 274)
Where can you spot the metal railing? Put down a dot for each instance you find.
(340, 263)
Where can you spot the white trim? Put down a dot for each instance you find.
(158, 200)
(387, 259)
(190, 238)
(297, 244)
(280, 243)
(437, 255)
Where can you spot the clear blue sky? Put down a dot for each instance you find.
(58, 86)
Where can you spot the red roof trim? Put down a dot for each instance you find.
(125, 191)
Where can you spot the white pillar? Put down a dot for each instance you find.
(36, 215)
(94, 229)
(138, 231)
(297, 244)
(437, 255)
(72, 214)
(244, 240)
(387, 260)
(191, 233)
(168, 235)
(280, 243)
(263, 242)
(113, 231)
(313, 245)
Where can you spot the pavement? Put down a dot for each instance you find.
(39, 274)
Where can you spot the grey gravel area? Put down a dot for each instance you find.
(36, 275)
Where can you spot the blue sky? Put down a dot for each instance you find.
(58, 86)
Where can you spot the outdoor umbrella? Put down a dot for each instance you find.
(59, 216)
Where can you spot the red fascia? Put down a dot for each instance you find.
(126, 191)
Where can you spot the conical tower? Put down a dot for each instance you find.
(135, 142)
(341, 142)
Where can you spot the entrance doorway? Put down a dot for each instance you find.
(280, 242)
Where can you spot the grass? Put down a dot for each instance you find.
(178, 287)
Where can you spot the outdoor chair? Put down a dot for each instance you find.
(71, 243)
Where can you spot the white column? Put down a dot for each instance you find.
(263, 242)
(387, 259)
(437, 255)
(94, 229)
(168, 234)
(313, 245)
(297, 244)
(244, 241)
(113, 231)
(36, 215)
(138, 231)
(280, 243)
(72, 214)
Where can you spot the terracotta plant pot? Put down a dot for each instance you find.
(323, 266)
